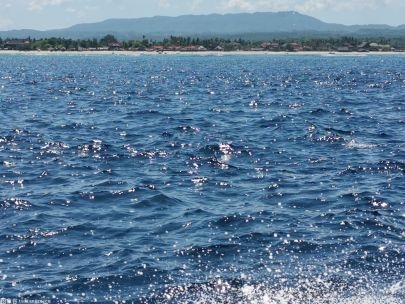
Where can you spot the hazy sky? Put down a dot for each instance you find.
(53, 14)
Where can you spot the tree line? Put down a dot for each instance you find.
(176, 43)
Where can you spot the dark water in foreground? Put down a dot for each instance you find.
(181, 179)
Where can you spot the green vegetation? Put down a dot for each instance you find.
(173, 43)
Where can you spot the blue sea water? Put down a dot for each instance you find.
(202, 179)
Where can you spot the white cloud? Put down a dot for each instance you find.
(313, 5)
(307, 6)
(37, 5)
(277, 5)
(242, 5)
(344, 5)
(195, 5)
(5, 23)
(164, 4)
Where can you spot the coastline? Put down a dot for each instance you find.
(203, 53)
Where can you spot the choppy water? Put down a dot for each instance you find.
(194, 179)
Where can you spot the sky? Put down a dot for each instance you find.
(55, 14)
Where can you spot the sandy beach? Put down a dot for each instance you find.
(205, 53)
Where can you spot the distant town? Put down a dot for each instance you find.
(189, 44)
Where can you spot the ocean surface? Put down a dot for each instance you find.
(202, 179)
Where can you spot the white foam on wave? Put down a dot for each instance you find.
(291, 296)
(356, 145)
(314, 293)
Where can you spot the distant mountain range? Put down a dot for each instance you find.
(260, 25)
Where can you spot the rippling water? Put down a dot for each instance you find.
(197, 179)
